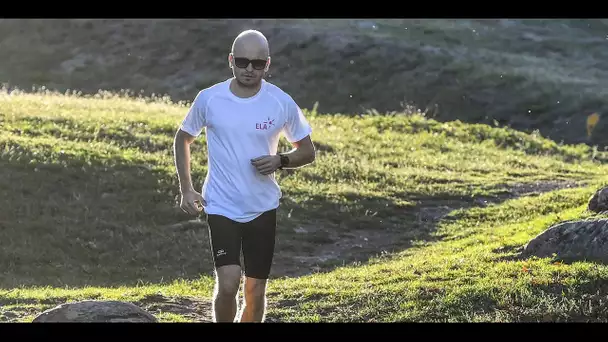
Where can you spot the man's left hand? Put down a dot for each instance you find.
(266, 164)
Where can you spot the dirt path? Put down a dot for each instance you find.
(358, 245)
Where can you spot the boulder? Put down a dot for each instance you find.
(599, 201)
(96, 311)
(572, 241)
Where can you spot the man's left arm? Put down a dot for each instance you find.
(297, 131)
(302, 154)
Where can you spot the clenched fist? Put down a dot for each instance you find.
(192, 202)
(266, 164)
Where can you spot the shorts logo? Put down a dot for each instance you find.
(220, 252)
(264, 125)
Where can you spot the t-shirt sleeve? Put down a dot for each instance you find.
(296, 126)
(196, 118)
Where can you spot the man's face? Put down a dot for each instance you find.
(249, 67)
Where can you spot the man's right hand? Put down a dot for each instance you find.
(192, 202)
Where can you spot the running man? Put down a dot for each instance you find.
(243, 118)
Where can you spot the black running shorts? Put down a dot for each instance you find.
(256, 238)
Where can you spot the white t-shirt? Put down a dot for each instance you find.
(238, 130)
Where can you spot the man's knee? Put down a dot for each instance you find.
(255, 291)
(228, 280)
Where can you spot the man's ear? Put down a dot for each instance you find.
(267, 64)
(230, 60)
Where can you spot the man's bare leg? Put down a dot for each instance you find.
(254, 307)
(227, 282)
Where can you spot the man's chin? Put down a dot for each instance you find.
(249, 82)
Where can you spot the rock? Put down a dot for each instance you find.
(96, 311)
(599, 201)
(572, 241)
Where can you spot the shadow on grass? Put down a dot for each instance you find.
(80, 225)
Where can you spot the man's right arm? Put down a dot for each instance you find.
(191, 127)
(181, 150)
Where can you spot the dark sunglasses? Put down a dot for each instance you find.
(242, 62)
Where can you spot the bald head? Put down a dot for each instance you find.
(249, 58)
(251, 44)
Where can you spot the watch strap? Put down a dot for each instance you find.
(284, 161)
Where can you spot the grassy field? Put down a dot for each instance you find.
(401, 218)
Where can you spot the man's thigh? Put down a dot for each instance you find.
(225, 240)
(258, 245)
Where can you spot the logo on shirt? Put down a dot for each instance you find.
(264, 125)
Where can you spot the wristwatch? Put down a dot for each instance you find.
(284, 161)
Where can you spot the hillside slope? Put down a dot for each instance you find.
(528, 74)
(89, 212)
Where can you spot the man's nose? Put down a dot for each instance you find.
(249, 67)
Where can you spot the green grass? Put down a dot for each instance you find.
(90, 192)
